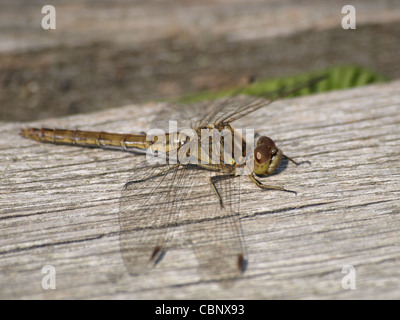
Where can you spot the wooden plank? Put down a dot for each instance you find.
(59, 206)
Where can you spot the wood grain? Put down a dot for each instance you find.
(59, 206)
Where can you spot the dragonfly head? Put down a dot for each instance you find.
(266, 156)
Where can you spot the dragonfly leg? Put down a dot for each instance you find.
(214, 179)
(263, 186)
(152, 176)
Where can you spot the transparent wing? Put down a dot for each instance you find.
(251, 106)
(181, 202)
(203, 113)
(227, 110)
(216, 234)
(186, 115)
(197, 114)
(148, 215)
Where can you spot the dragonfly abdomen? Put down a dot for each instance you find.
(88, 138)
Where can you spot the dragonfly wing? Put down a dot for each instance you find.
(215, 231)
(229, 109)
(250, 106)
(181, 201)
(185, 115)
(201, 114)
(149, 212)
(225, 108)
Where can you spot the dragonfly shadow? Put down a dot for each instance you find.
(285, 162)
(282, 166)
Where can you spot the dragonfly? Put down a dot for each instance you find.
(172, 203)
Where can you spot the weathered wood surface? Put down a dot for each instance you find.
(59, 207)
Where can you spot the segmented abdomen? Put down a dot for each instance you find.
(88, 138)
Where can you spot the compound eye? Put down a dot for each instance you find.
(262, 154)
(267, 141)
